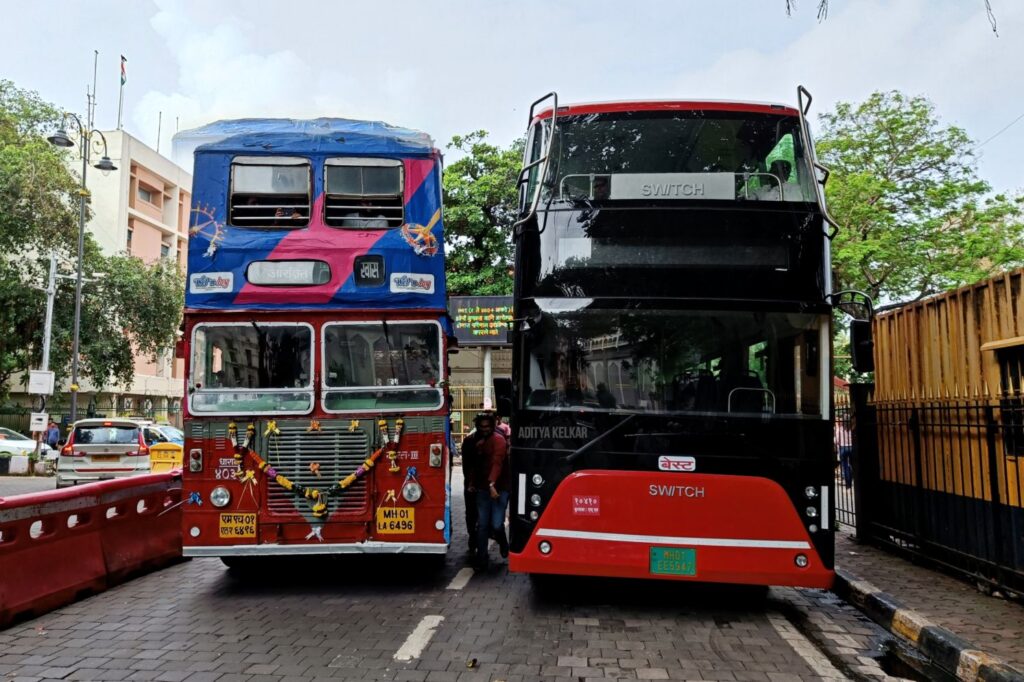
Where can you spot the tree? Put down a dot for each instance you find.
(917, 219)
(134, 308)
(823, 12)
(480, 205)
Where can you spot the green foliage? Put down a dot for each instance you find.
(480, 205)
(133, 307)
(917, 218)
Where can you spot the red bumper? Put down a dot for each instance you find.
(741, 529)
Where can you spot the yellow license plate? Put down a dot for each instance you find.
(238, 525)
(396, 520)
(106, 458)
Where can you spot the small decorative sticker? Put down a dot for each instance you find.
(586, 505)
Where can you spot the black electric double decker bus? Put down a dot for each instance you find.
(670, 401)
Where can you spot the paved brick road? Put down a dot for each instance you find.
(347, 619)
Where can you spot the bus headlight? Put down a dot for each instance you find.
(195, 460)
(538, 480)
(435, 454)
(412, 491)
(811, 492)
(544, 547)
(220, 496)
(535, 500)
(534, 515)
(812, 512)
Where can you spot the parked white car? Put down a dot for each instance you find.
(13, 443)
(102, 449)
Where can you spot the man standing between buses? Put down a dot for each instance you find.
(489, 476)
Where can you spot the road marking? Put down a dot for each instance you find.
(803, 647)
(461, 579)
(672, 540)
(418, 639)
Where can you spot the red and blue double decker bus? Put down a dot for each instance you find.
(670, 400)
(316, 412)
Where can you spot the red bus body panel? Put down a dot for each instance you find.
(743, 529)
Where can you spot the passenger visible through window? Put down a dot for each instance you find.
(270, 192)
(364, 193)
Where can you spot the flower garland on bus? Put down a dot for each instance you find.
(317, 498)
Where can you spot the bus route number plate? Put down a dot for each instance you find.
(673, 561)
(238, 525)
(396, 520)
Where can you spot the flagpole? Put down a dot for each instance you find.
(120, 97)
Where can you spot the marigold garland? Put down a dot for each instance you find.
(318, 499)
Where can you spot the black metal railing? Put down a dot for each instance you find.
(943, 480)
(843, 445)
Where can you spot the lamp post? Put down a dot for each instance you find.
(61, 139)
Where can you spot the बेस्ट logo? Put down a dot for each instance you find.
(408, 282)
(208, 282)
(669, 463)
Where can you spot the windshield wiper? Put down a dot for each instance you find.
(589, 445)
(387, 345)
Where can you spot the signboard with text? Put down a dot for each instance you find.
(481, 320)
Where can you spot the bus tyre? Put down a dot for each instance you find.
(544, 585)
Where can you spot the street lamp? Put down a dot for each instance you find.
(61, 139)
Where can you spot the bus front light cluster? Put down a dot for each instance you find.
(412, 491)
(535, 500)
(801, 560)
(534, 514)
(544, 547)
(435, 454)
(811, 492)
(220, 497)
(538, 480)
(812, 512)
(195, 460)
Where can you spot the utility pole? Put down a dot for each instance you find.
(51, 292)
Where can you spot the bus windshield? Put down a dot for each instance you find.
(252, 367)
(676, 156)
(743, 363)
(378, 366)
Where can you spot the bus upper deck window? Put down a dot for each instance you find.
(270, 191)
(364, 193)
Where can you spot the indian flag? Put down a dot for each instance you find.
(124, 71)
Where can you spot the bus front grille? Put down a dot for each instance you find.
(338, 452)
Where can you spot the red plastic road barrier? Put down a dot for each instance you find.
(60, 544)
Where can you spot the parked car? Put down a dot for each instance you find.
(172, 433)
(102, 449)
(13, 443)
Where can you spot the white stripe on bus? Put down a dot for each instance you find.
(672, 540)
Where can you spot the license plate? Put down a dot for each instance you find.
(396, 520)
(673, 561)
(106, 458)
(238, 525)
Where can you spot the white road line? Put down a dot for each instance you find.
(418, 639)
(803, 647)
(461, 579)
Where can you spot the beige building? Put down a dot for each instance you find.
(141, 208)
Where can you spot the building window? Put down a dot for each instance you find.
(130, 231)
(270, 191)
(165, 250)
(147, 195)
(363, 193)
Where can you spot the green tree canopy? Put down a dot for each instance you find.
(917, 218)
(480, 205)
(132, 308)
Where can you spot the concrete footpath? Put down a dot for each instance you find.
(966, 632)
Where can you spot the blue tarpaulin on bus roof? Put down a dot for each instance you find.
(314, 136)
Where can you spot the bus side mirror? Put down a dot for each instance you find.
(862, 346)
(503, 396)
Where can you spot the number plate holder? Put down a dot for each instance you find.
(396, 520)
(673, 561)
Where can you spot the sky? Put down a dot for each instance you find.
(456, 66)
